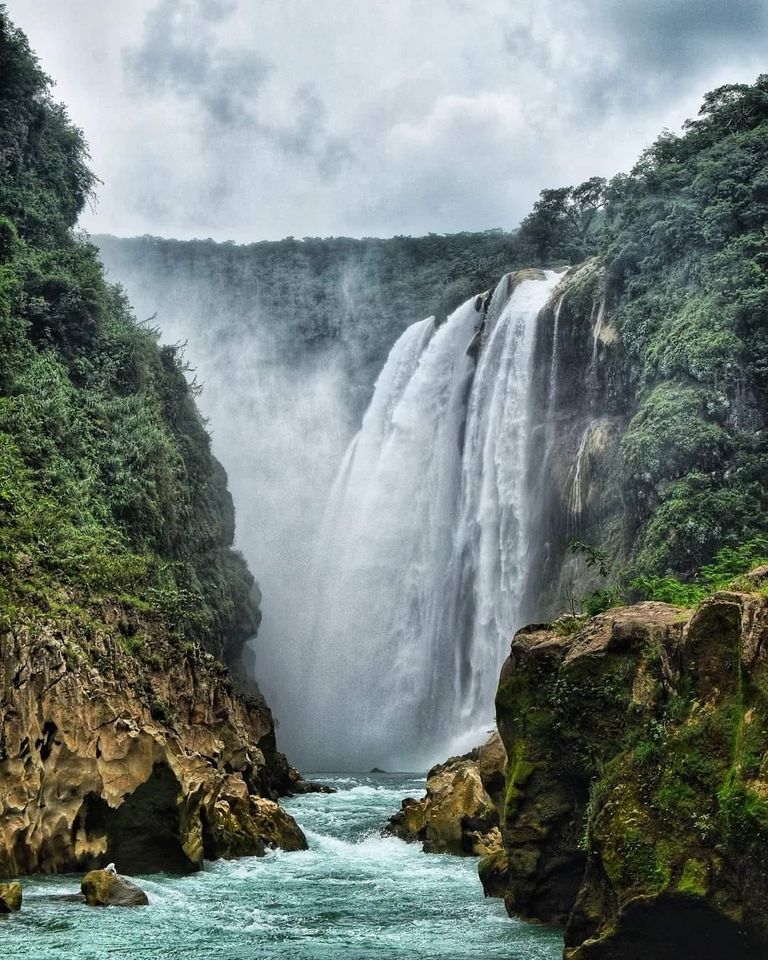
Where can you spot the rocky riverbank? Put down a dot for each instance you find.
(636, 808)
(145, 755)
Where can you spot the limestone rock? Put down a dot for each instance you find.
(103, 888)
(152, 760)
(459, 813)
(295, 783)
(636, 807)
(276, 827)
(10, 897)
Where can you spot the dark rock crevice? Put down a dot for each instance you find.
(143, 835)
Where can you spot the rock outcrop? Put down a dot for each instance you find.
(105, 888)
(141, 753)
(636, 808)
(459, 813)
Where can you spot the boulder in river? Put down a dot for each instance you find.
(295, 783)
(459, 813)
(105, 888)
(10, 897)
(275, 826)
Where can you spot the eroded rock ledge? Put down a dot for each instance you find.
(119, 743)
(636, 809)
(459, 812)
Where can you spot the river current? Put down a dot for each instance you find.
(353, 895)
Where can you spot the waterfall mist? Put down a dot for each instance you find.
(280, 418)
(392, 575)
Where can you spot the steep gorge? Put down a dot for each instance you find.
(645, 430)
(620, 402)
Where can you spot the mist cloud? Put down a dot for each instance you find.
(180, 54)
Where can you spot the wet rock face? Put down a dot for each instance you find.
(104, 888)
(636, 808)
(459, 813)
(150, 761)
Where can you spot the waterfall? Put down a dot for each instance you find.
(421, 559)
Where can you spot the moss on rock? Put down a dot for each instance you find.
(105, 888)
(640, 776)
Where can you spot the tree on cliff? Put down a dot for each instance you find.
(562, 222)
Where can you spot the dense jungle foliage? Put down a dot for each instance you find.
(108, 490)
(684, 241)
(679, 250)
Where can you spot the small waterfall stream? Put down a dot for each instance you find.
(423, 549)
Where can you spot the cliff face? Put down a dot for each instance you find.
(580, 407)
(122, 735)
(150, 759)
(650, 389)
(636, 809)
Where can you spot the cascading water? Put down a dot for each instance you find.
(425, 541)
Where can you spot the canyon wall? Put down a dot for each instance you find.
(123, 733)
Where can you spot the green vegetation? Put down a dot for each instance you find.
(108, 490)
(685, 248)
(562, 227)
(727, 570)
(679, 262)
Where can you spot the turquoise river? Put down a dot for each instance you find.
(353, 895)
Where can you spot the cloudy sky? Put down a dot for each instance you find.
(257, 119)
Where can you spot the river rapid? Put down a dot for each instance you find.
(353, 895)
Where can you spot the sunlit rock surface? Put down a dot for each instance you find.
(10, 897)
(149, 758)
(105, 888)
(459, 813)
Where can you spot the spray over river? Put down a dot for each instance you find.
(421, 560)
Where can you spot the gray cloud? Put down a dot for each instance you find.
(643, 51)
(181, 54)
(251, 119)
(675, 36)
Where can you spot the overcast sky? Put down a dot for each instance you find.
(257, 119)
